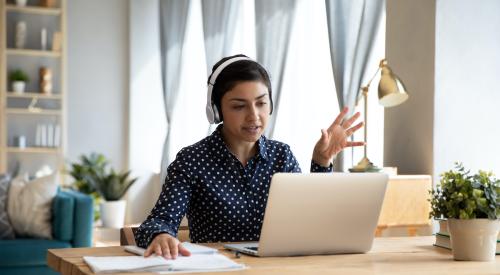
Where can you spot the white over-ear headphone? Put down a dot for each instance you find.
(213, 115)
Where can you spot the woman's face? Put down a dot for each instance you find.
(245, 110)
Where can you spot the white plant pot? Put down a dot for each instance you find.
(113, 213)
(474, 239)
(18, 86)
(21, 3)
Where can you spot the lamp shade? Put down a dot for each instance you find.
(391, 91)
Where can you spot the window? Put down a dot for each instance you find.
(308, 100)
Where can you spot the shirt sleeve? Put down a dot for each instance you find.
(316, 168)
(291, 163)
(170, 207)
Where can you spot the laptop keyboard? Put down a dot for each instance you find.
(254, 248)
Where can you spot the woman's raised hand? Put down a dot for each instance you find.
(334, 139)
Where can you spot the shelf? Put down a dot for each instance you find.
(27, 52)
(33, 10)
(33, 95)
(21, 113)
(34, 150)
(25, 111)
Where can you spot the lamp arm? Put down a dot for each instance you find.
(365, 97)
(375, 74)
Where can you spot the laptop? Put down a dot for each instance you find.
(319, 213)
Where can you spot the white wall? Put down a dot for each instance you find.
(408, 129)
(448, 54)
(467, 91)
(98, 79)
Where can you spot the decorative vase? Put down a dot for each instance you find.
(473, 239)
(18, 86)
(21, 3)
(45, 81)
(113, 213)
(20, 34)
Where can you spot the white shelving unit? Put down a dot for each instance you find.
(17, 116)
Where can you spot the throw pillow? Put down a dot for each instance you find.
(6, 230)
(29, 206)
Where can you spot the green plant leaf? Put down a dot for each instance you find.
(462, 195)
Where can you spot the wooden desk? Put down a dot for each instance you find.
(414, 255)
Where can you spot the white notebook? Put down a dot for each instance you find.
(202, 259)
(193, 248)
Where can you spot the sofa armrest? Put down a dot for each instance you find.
(83, 218)
(63, 207)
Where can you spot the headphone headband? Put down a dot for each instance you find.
(211, 110)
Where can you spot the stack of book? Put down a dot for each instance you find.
(443, 237)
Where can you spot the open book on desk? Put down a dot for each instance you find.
(193, 248)
(202, 259)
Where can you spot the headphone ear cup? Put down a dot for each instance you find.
(217, 117)
(209, 107)
(210, 114)
(272, 105)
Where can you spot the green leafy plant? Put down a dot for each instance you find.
(114, 185)
(92, 176)
(84, 172)
(461, 195)
(18, 75)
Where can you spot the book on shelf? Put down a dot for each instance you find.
(202, 259)
(443, 227)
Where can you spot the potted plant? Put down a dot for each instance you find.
(92, 176)
(18, 79)
(471, 204)
(112, 187)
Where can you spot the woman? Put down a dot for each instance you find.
(222, 182)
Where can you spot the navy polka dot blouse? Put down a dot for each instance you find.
(224, 200)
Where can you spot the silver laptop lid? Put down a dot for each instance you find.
(321, 213)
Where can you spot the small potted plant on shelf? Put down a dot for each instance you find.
(18, 79)
(471, 205)
(21, 3)
(93, 176)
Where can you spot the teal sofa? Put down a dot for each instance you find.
(72, 222)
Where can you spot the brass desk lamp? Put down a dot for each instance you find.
(391, 92)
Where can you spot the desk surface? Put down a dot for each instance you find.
(414, 255)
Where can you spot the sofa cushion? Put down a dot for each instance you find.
(83, 221)
(30, 206)
(6, 230)
(63, 207)
(27, 252)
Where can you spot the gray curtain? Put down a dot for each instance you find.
(352, 26)
(173, 19)
(219, 22)
(273, 19)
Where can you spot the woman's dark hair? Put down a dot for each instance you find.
(235, 73)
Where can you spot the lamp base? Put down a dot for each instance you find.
(365, 165)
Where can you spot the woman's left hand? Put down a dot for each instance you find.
(334, 139)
